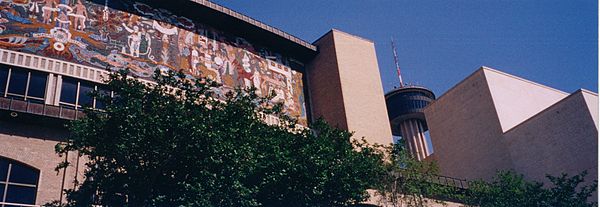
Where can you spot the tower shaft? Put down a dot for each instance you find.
(414, 134)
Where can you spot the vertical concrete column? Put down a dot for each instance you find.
(409, 135)
(57, 89)
(425, 146)
(413, 128)
(420, 139)
(50, 89)
(417, 138)
(414, 136)
(406, 143)
(412, 133)
(344, 87)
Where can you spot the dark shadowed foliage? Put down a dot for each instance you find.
(173, 144)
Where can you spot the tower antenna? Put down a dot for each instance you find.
(397, 64)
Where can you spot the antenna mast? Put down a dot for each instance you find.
(397, 64)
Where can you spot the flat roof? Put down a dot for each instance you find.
(233, 22)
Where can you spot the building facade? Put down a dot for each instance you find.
(494, 121)
(52, 53)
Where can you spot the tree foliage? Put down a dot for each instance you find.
(510, 189)
(174, 143)
(412, 183)
(409, 182)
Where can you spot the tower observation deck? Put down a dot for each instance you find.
(405, 110)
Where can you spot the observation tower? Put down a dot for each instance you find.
(405, 106)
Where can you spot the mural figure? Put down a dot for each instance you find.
(34, 7)
(166, 32)
(47, 11)
(133, 40)
(63, 16)
(80, 15)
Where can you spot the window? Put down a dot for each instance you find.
(3, 80)
(76, 94)
(23, 84)
(17, 83)
(105, 93)
(18, 183)
(85, 98)
(37, 85)
(68, 92)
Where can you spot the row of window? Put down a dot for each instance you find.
(18, 183)
(23, 84)
(76, 93)
(411, 104)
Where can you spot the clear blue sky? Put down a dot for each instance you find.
(440, 42)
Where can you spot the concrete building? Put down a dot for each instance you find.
(52, 54)
(345, 86)
(496, 121)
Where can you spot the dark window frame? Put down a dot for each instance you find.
(25, 96)
(4, 87)
(78, 105)
(8, 182)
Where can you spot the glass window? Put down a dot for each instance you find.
(23, 174)
(21, 187)
(3, 78)
(85, 98)
(68, 92)
(103, 93)
(18, 81)
(20, 194)
(3, 169)
(37, 85)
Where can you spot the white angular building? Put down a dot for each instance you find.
(494, 121)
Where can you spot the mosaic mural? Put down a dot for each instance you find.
(145, 39)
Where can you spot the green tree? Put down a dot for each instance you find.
(510, 189)
(174, 144)
(409, 182)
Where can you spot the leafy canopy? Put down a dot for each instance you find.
(409, 182)
(174, 144)
(511, 190)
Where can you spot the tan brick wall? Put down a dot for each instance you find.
(345, 86)
(561, 139)
(465, 131)
(324, 87)
(34, 146)
(556, 136)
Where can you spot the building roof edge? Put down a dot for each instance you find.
(571, 95)
(340, 31)
(249, 20)
(522, 79)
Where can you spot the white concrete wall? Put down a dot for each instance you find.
(591, 99)
(517, 99)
